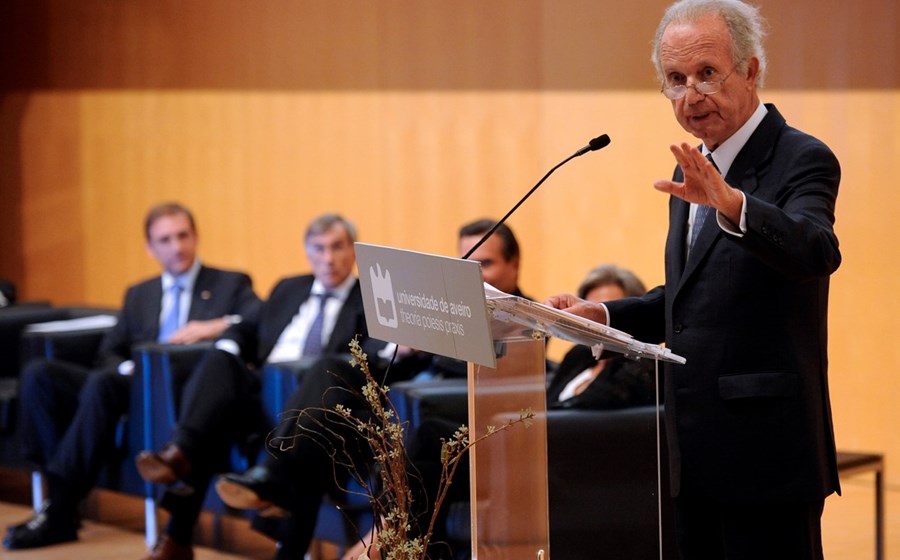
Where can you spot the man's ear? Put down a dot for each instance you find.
(753, 70)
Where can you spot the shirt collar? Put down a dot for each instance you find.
(729, 149)
(187, 279)
(340, 292)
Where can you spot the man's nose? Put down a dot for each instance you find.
(692, 95)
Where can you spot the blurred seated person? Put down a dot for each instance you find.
(70, 413)
(7, 293)
(582, 381)
(306, 317)
(500, 259)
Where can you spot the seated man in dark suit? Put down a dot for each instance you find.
(69, 413)
(305, 317)
(500, 258)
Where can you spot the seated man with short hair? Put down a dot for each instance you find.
(70, 413)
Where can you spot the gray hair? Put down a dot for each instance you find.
(325, 222)
(745, 24)
(610, 274)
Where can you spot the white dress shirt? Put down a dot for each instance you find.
(293, 338)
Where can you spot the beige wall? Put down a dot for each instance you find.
(411, 118)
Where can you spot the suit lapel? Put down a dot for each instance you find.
(676, 246)
(152, 306)
(291, 307)
(201, 297)
(757, 153)
(286, 305)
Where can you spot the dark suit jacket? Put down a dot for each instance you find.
(257, 338)
(748, 415)
(8, 289)
(622, 383)
(216, 293)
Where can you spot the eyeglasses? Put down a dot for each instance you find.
(320, 248)
(703, 88)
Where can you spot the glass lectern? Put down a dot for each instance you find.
(509, 491)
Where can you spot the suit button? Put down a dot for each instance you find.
(678, 329)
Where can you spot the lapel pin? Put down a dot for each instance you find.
(205, 295)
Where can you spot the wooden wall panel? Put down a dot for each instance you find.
(410, 44)
(53, 231)
(257, 166)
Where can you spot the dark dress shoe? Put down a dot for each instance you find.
(40, 530)
(165, 467)
(254, 489)
(12, 529)
(167, 549)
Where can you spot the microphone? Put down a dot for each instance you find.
(595, 144)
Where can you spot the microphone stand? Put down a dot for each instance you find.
(595, 144)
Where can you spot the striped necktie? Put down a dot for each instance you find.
(172, 320)
(313, 345)
(702, 211)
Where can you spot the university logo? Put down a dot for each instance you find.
(383, 292)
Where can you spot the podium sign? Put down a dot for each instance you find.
(427, 302)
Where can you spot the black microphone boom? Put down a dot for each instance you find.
(595, 144)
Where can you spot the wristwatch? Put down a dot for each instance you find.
(233, 319)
